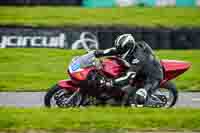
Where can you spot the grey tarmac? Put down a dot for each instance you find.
(35, 99)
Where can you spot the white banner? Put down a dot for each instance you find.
(48, 39)
(33, 41)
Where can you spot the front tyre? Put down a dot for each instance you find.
(57, 97)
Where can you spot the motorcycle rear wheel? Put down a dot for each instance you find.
(171, 87)
(170, 98)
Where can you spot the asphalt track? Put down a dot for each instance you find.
(35, 99)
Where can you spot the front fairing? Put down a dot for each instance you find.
(80, 66)
(81, 62)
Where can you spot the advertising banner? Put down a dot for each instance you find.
(28, 37)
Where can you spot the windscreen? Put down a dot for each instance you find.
(82, 62)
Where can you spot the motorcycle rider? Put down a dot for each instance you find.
(140, 59)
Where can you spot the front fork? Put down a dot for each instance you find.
(72, 96)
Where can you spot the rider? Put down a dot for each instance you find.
(141, 59)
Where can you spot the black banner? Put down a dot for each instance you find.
(157, 38)
(97, 37)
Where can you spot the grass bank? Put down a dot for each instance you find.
(132, 16)
(37, 69)
(99, 119)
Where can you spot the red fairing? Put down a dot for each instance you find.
(68, 85)
(173, 68)
(113, 67)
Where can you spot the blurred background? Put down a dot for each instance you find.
(160, 28)
(103, 3)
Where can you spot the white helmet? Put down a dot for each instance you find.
(124, 42)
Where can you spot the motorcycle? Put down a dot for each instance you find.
(84, 87)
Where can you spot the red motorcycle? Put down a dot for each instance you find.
(86, 72)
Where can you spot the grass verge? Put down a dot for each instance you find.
(37, 69)
(132, 16)
(99, 119)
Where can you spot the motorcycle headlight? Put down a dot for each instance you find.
(79, 75)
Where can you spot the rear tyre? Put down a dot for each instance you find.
(174, 93)
(168, 94)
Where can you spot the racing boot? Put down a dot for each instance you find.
(140, 97)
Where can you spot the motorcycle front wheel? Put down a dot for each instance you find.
(58, 97)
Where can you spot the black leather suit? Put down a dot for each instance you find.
(141, 60)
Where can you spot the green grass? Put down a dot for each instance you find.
(33, 69)
(37, 69)
(132, 16)
(106, 118)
